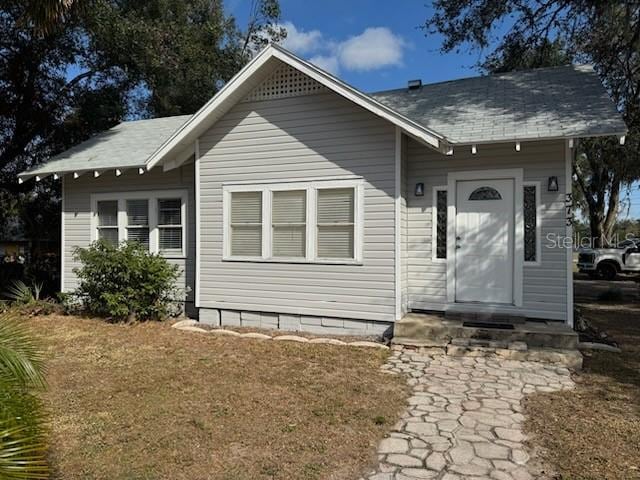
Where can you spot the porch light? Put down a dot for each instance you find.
(622, 139)
(474, 150)
(517, 146)
(141, 171)
(552, 185)
(419, 191)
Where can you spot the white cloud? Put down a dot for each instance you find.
(326, 62)
(373, 49)
(301, 42)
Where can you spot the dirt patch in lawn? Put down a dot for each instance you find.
(149, 402)
(594, 431)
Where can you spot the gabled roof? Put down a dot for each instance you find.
(560, 102)
(127, 145)
(253, 74)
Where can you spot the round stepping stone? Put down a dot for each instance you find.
(291, 338)
(257, 336)
(193, 329)
(368, 344)
(222, 333)
(328, 341)
(184, 323)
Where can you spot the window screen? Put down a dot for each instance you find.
(138, 221)
(170, 225)
(336, 227)
(289, 217)
(246, 224)
(108, 221)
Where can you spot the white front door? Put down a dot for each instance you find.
(484, 228)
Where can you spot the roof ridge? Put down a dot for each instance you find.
(494, 75)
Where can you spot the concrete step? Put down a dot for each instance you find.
(427, 330)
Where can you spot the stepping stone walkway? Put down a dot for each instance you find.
(464, 418)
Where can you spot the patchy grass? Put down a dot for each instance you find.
(149, 402)
(594, 432)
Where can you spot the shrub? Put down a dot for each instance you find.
(125, 281)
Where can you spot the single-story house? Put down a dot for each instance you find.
(292, 200)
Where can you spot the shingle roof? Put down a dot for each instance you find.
(567, 101)
(126, 145)
(556, 102)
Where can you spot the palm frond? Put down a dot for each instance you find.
(20, 293)
(20, 357)
(22, 453)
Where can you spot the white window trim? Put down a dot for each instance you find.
(311, 188)
(434, 223)
(152, 196)
(538, 260)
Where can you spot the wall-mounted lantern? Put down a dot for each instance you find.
(419, 191)
(552, 185)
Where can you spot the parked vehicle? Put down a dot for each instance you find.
(607, 263)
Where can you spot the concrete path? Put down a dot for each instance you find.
(464, 418)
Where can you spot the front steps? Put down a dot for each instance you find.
(548, 342)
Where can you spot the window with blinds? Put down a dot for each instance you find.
(336, 223)
(246, 224)
(170, 225)
(155, 219)
(298, 222)
(289, 223)
(138, 221)
(107, 212)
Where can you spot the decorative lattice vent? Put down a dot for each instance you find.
(285, 82)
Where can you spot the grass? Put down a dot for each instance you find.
(594, 431)
(146, 401)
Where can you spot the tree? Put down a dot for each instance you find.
(69, 69)
(545, 33)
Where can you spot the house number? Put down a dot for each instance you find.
(568, 203)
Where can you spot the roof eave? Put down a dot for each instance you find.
(180, 138)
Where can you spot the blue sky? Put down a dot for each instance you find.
(376, 45)
(372, 45)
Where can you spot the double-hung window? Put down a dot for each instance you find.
(170, 226)
(313, 222)
(138, 221)
(156, 220)
(107, 216)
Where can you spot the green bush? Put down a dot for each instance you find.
(125, 282)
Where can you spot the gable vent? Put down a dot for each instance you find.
(285, 82)
(414, 84)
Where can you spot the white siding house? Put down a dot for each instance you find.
(293, 201)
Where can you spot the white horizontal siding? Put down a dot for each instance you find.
(77, 212)
(544, 286)
(298, 138)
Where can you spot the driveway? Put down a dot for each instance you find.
(464, 418)
(586, 290)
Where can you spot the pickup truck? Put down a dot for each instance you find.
(607, 263)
